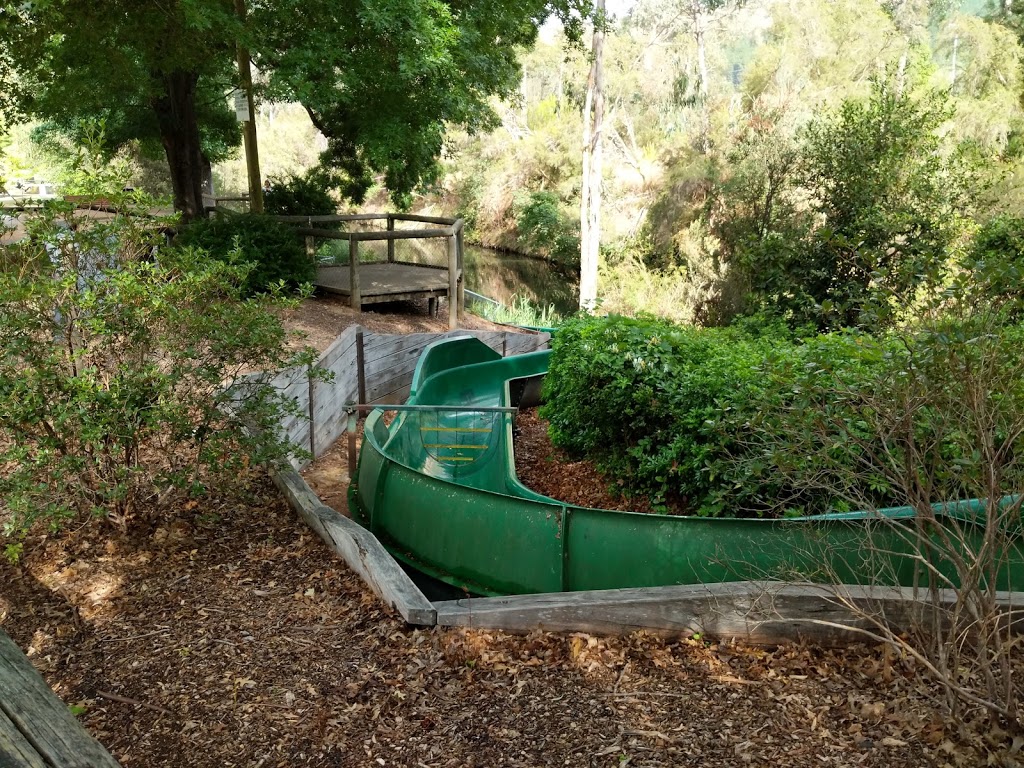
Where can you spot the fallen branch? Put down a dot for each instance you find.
(128, 700)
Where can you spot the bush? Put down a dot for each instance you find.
(546, 230)
(930, 416)
(681, 410)
(300, 196)
(668, 399)
(996, 261)
(722, 422)
(918, 417)
(274, 253)
(122, 379)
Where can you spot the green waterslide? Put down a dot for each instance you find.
(438, 487)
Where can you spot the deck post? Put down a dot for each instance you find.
(391, 243)
(355, 300)
(462, 275)
(453, 282)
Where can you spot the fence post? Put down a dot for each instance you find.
(453, 282)
(355, 299)
(462, 281)
(391, 243)
(311, 248)
(360, 367)
(312, 419)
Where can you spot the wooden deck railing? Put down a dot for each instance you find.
(450, 229)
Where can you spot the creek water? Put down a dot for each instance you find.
(505, 276)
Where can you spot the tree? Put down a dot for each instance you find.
(698, 18)
(590, 194)
(151, 70)
(886, 208)
(380, 78)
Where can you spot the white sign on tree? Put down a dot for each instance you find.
(241, 105)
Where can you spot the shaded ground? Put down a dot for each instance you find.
(225, 634)
(324, 316)
(546, 469)
(245, 643)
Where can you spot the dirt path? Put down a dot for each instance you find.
(321, 318)
(244, 642)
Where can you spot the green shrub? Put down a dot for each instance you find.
(304, 195)
(675, 412)
(722, 422)
(546, 230)
(996, 261)
(654, 404)
(273, 250)
(122, 378)
(845, 228)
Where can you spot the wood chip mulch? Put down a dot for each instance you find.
(548, 470)
(228, 635)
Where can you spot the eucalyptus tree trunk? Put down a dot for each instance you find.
(700, 21)
(590, 203)
(699, 17)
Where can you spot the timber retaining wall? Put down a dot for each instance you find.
(371, 368)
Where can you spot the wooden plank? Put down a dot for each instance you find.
(412, 295)
(355, 296)
(376, 234)
(523, 343)
(760, 613)
(358, 548)
(394, 389)
(360, 366)
(332, 425)
(397, 397)
(15, 751)
(337, 349)
(336, 393)
(401, 234)
(378, 345)
(322, 234)
(453, 282)
(383, 281)
(45, 721)
(423, 219)
(332, 396)
(457, 229)
(398, 362)
(331, 402)
(329, 218)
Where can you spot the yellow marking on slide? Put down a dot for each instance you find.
(455, 429)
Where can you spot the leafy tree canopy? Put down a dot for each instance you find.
(380, 78)
(846, 226)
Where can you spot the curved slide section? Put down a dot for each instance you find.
(438, 487)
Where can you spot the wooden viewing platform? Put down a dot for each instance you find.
(393, 279)
(37, 730)
(385, 282)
